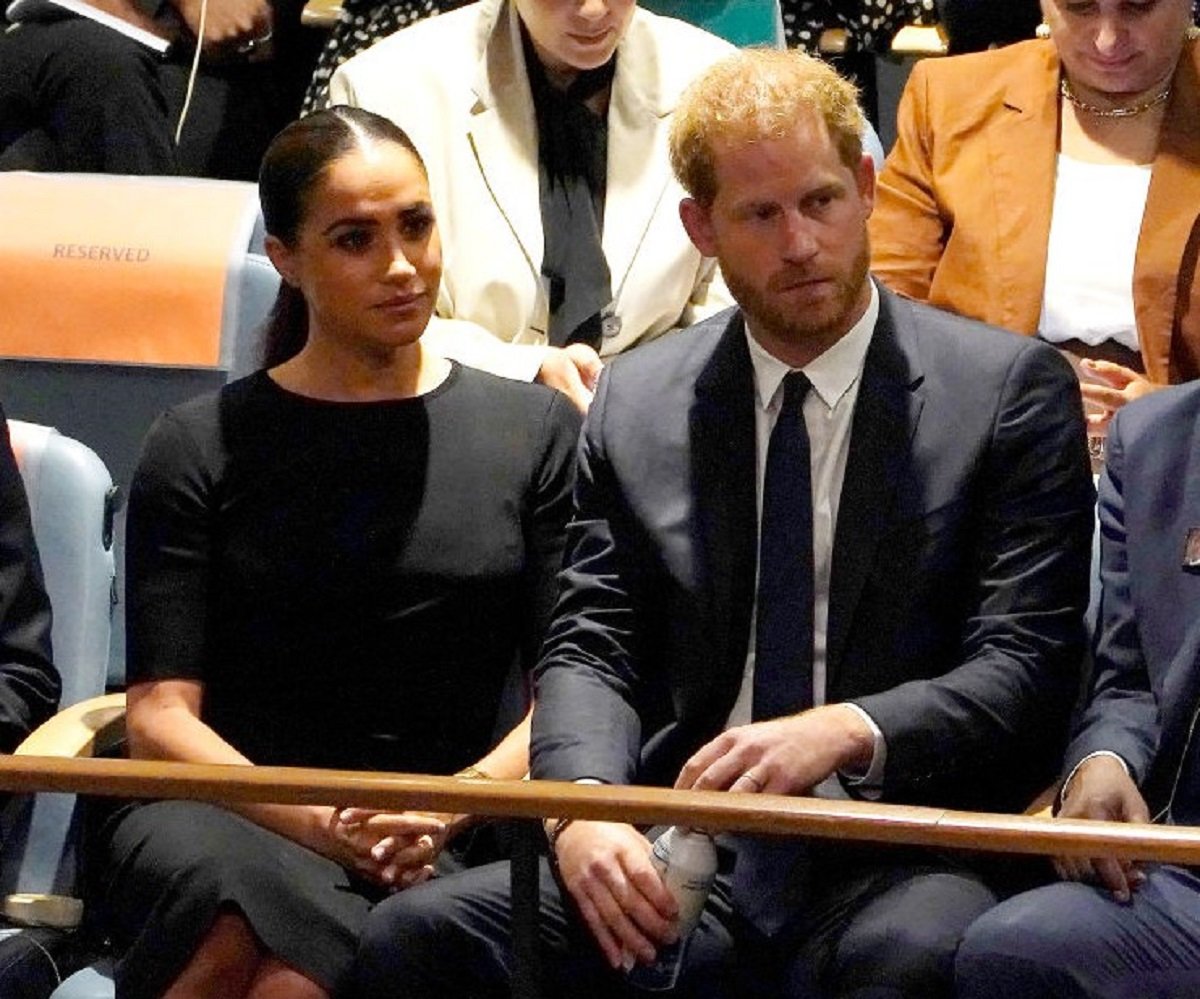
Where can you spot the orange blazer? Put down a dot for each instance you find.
(962, 213)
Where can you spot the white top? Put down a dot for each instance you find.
(1094, 230)
(828, 413)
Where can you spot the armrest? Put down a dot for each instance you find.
(320, 13)
(911, 40)
(921, 40)
(84, 729)
(833, 41)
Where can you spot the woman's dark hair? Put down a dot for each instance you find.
(291, 168)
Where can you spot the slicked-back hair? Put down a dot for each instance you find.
(291, 169)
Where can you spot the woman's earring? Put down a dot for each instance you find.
(1192, 33)
(1042, 31)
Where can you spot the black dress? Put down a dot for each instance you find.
(352, 583)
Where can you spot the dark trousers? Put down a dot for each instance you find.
(875, 925)
(1074, 941)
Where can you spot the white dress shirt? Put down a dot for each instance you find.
(836, 376)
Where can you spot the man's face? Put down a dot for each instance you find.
(789, 228)
(575, 35)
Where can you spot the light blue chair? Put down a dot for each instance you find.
(72, 501)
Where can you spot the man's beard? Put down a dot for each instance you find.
(795, 325)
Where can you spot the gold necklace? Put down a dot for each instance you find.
(1161, 97)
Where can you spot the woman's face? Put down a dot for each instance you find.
(1118, 48)
(575, 35)
(367, 257)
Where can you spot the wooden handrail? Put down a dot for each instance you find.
(714, 810)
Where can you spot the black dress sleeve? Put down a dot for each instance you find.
(168, 545)
(547, 513)
(29, 683)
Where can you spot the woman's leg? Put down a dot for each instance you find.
(275, 980)
(225, 963)
(187, 889)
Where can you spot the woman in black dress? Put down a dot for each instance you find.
(331, 563)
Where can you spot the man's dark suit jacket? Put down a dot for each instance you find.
(1146, 688)
(959, 574)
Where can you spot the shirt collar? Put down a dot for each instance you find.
(831, 374)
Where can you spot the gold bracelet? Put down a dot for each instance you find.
(473, 773)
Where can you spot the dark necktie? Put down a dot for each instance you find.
(783, 653)
(770, 873)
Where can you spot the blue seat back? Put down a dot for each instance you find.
(71, 502)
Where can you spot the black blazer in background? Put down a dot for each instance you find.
(29, 683)
(960, 562)
(1146, 684)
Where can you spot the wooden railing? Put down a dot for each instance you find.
(713, 810)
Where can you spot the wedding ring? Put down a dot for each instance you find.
(758, 784)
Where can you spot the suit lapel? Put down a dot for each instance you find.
(885, 419)
(722, 440)
(1172, 204)
(638, 166)
(1022, 153)
(503, 133)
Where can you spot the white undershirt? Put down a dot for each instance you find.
(1094, 228)
(828, 413)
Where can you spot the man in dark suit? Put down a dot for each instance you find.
(1117, 929)
(832, 540)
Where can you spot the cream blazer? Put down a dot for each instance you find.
(962, 211)
(457, 84)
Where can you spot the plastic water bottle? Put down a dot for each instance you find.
(686, 860)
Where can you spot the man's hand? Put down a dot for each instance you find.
(1116, 386)
(606, 868)
(229, 26)
(782, 756)
(573, 370)
(1102, 789)
(392, 849)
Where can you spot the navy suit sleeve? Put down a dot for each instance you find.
(29, 683)
(1122, 714)
(584, 722)
(1001, 708)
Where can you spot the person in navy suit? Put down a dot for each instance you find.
(832, 542)
(1113, 928)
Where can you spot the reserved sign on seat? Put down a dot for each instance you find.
(119, 269)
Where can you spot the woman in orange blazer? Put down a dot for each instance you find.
(969, 195)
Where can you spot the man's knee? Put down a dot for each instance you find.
(413, 943)
(1020, 949)
(904, 943)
